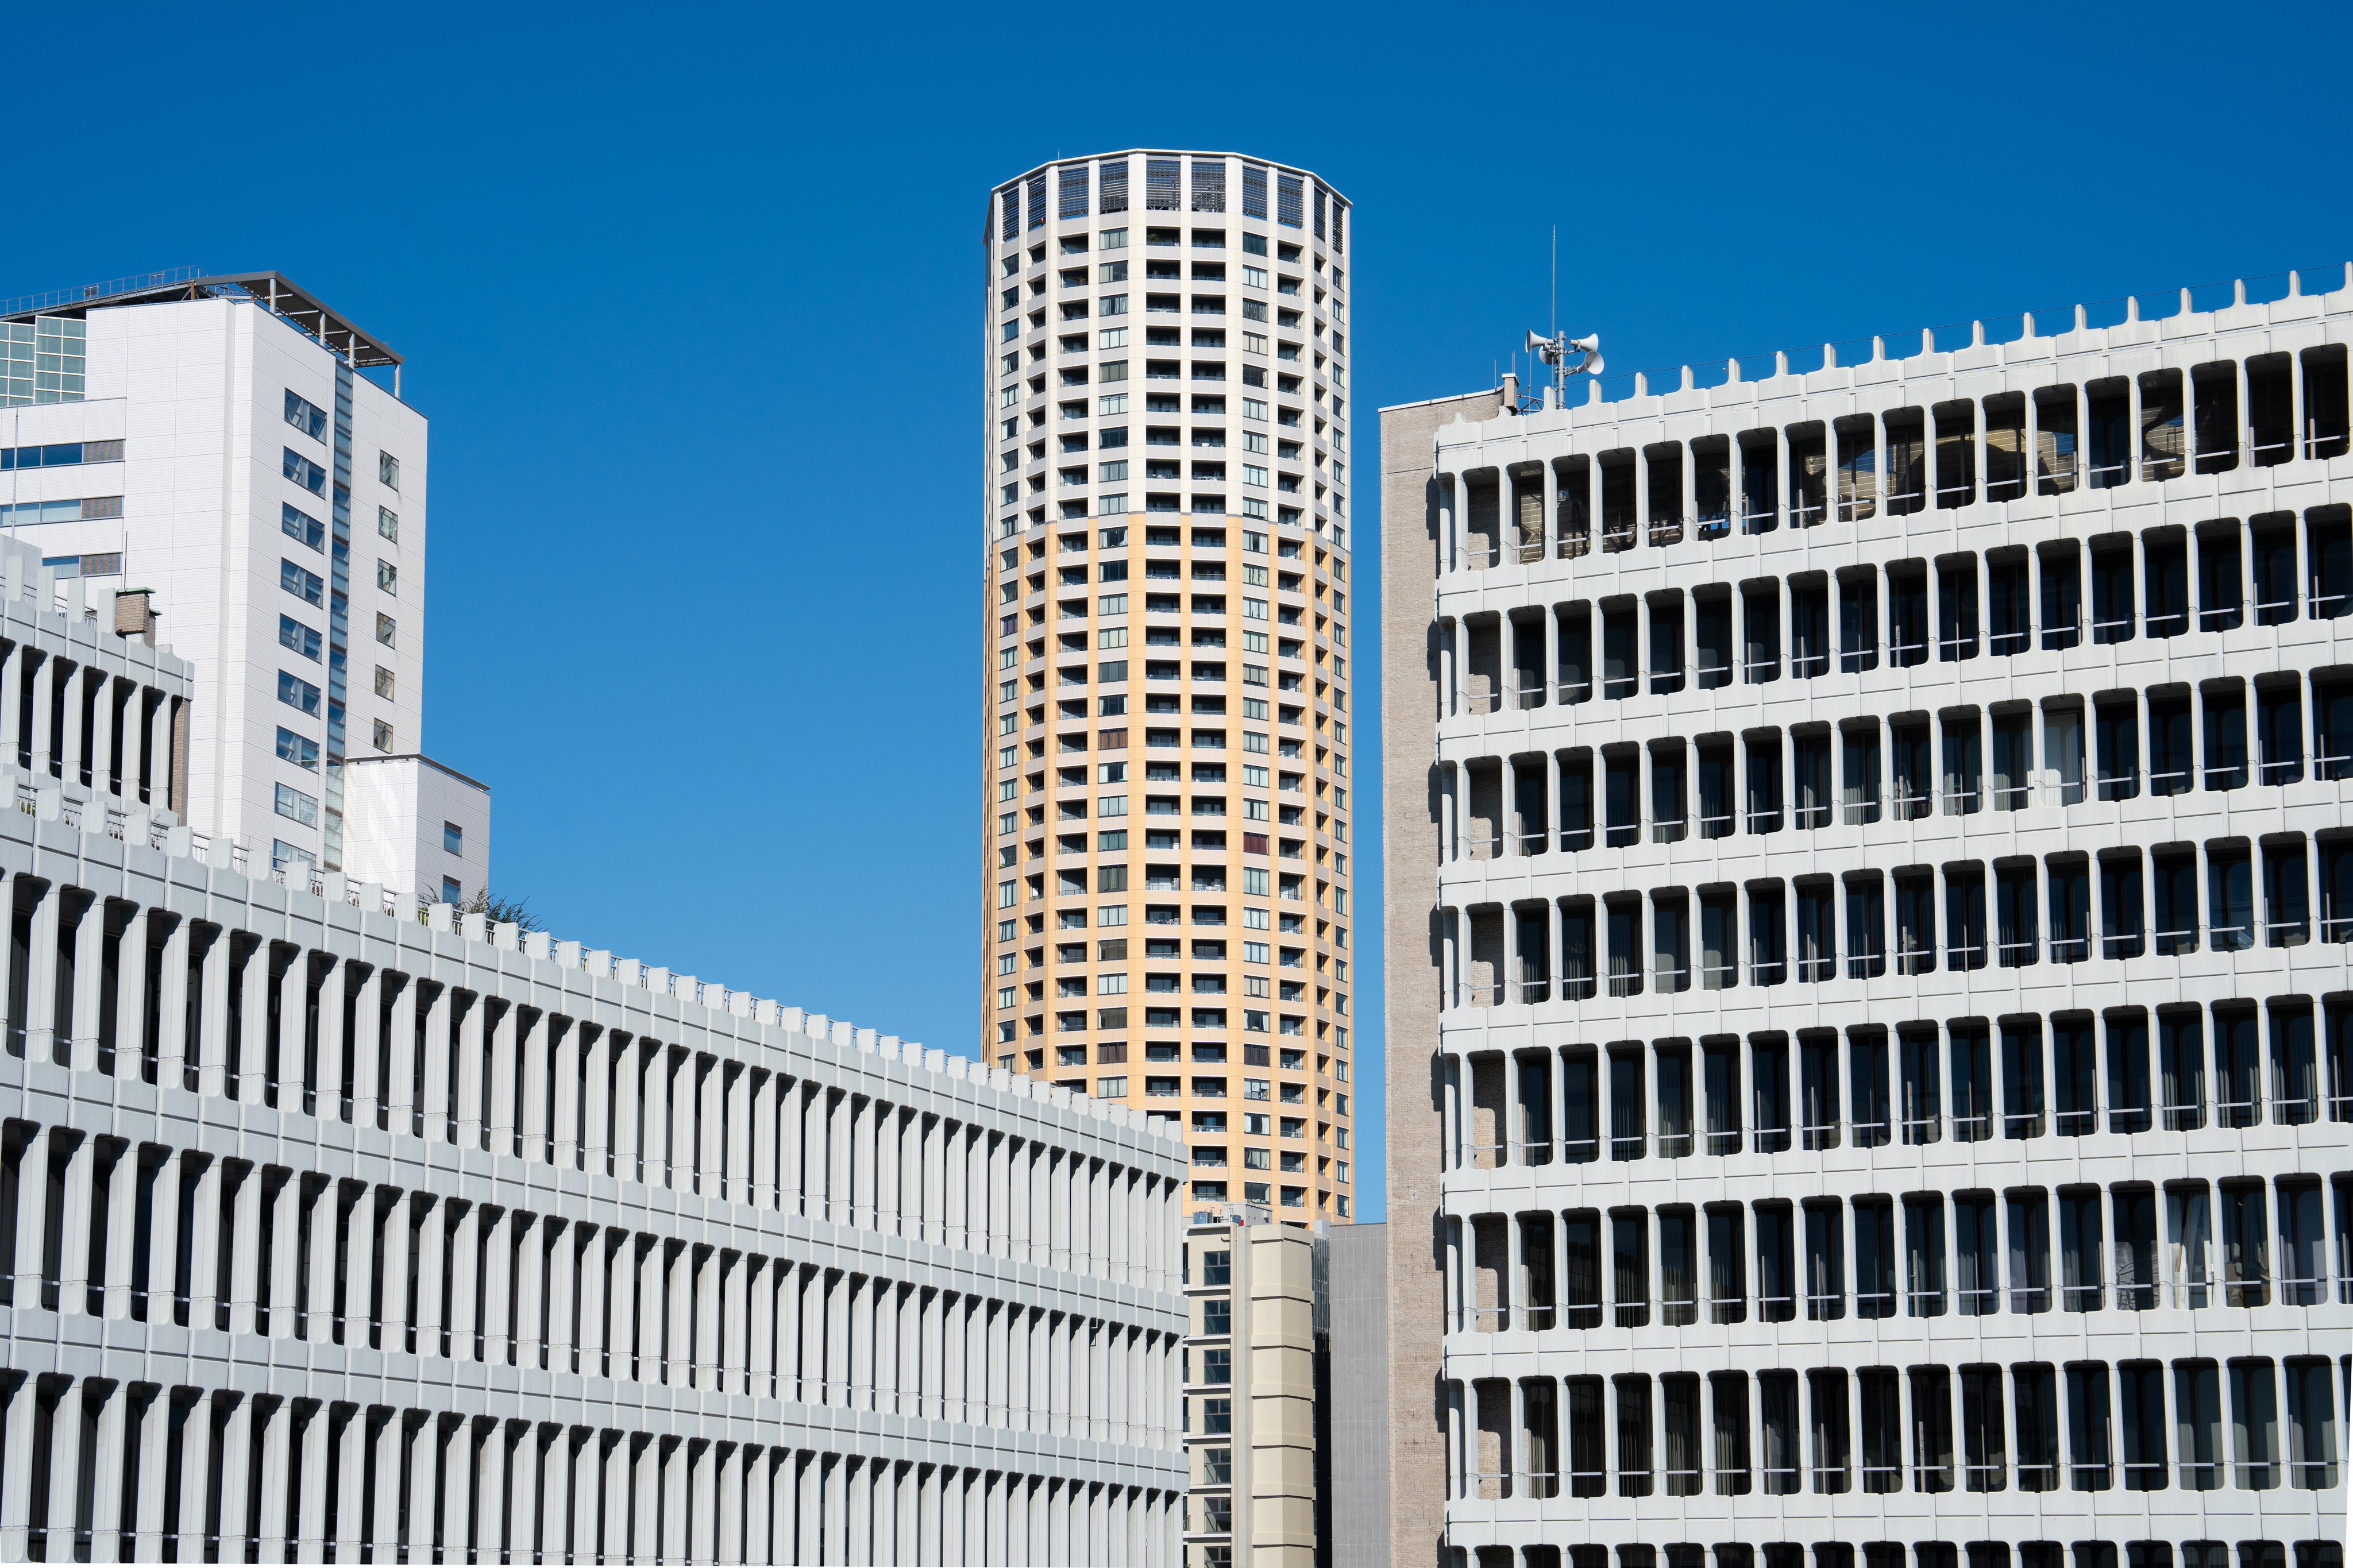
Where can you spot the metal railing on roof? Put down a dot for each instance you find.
(90, 293)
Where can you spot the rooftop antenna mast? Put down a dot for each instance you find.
(1554, 350)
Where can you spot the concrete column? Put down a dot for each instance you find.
(530, 1289)
(522, 1499)
(121, 1233)
(251, 1047)
(13, 657)
(657, 1358)
(629, 1106)
(156, 742)
(622, 1306)
(269, 1531)
(465, 1094)
(206, 1288)
(759, 1484)
(41, 974)
(85, 943)
(290, 988)
(597, 1059)
(107, 748)
(208, 1050)
(106, 1479)
(434, 1107)
(498, 1228)
(678, 1268)
(563, 1131)
(790, 1128)
(432, 1262)
(807, 1473)
(134, 743)
(310, 1528)
(834, 1479)
(1784, 487)
(890, 1166)
(367, 1028)
(582, 1461)
(708, 1132)
(43, 696)
(243, 1287)
(562, 1293)
(758, 1091)
(502, 1047)
(676, 1068)
(453, 1442)
(1642, 496)
(699, 1458)
(532, 1101)
(350, 1478)
(672, 1457)
(860, 1488)
(2135, 457)
(841, 1176)
(172, 1044)
(16, 1479)
(490, 1507)
(65, 1472)
(236, 1457)
(613, 1455)
(73, 1249)
(77, 745)
(1551, 504)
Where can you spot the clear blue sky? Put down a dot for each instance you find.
(692, 299)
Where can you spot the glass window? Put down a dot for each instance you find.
(301, 525)
(293, 634)
(303, 808)
(302, 752)
(305, 585)
(453, 839)
(303, 471)
(306, 415)
(296, 692)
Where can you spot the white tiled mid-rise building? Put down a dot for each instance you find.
(223, 442)
(1879, 900)
(339, 1233)
(1167, 880)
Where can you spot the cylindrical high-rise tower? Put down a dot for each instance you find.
(1167, 888)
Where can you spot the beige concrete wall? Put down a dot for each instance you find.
(1283, 1395)
(1410, 1016)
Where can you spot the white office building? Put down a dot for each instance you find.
(1873, 932)
(225, 442)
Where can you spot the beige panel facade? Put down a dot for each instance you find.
(1410, 1013)
(1255, 1370)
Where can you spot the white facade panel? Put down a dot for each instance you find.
(401, 813)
